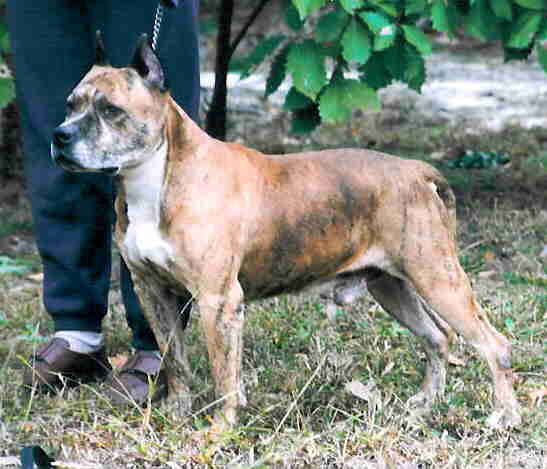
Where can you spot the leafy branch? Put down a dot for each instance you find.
(379, 41)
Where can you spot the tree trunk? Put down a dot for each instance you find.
(215, 124)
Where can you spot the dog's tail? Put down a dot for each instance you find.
(446, 195)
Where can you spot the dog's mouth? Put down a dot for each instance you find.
(70, 165)
(112, 171)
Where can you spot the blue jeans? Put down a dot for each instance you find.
(53, 45)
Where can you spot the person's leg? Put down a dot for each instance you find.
(122, 22)
(71, 213)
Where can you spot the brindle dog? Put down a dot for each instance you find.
(222, 223)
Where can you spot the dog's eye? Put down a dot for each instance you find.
(110, 111)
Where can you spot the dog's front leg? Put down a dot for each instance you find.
(222, 317)
(166, 312)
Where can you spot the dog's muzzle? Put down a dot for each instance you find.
(63, 139)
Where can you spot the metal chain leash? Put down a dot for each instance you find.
(157, 25)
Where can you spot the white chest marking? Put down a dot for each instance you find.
(143, 240)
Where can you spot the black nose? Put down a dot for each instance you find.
(63, 136)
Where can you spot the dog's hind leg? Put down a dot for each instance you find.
(398, 298)
(449, 293)
(428, 258)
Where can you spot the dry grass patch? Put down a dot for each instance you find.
(297, 364)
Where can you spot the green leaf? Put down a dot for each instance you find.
(502, 9)
(341, 97)
(414, 74)
(391, 7)
(330, 26)
(296, 100)
(292, 18)
(417, 38)
(278, 71)
(394, 60)
(386, 38)
(516, 54)
(445, 17)
(374, 73)
(414, 7)
(542, 33)
(356, 44)
(351, 5)
(361, 96)
(333, 49)
(4, 39)
(306, 64)
(305, 120)
(375, 21)
(262, 50)
(542, 55)
(481, 21)
(385, 32)
(305, 7)
(439, 16)
(7, 91)
(532, 4)
(332, 104)
(524, 29)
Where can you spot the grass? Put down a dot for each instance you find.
(297, 363)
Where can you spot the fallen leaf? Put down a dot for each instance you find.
(455, 360)
(537, 395)
(28, 427)
(117, 361)
(388, 368)
(366, 392)
(487, 274)
(489, 256)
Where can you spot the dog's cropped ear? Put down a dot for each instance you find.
(147, 64)
(100, 53)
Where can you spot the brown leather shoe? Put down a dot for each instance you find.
(55, 359)
(137, 378)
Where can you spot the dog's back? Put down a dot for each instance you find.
(323, 213)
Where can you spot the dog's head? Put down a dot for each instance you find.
(115, 116)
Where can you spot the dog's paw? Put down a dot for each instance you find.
(504, 418)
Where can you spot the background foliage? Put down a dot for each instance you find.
(7, 88)
(342, 51)
(338, 53)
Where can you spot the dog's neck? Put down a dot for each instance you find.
(143, 187)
